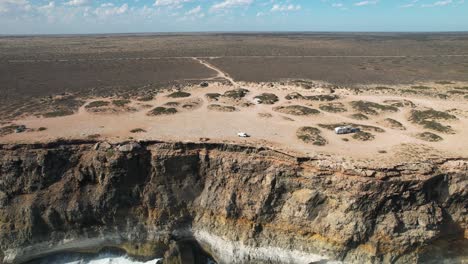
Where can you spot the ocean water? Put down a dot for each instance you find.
(103, 258)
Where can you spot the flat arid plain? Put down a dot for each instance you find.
(407, 93)
(131, 142)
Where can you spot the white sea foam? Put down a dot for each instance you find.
(100, 259)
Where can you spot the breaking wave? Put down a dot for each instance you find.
(103, 258)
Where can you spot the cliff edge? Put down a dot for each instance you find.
(241, 204)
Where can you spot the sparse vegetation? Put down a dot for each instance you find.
(427, 118)
(392, 123)
(8, 129)
(293, 96)
(430, 137)
(362, 127)
(442, 96)
(421, 87)
(172, 104)
(213, 96)
(42, 129)
(333, 107)
(456, 92)
(384, 88)
(57, 113)
(120, 102)
(400, 103)
(222, 108)
(236, 94)
(267, 98)
(137, 130)
(372, 108)
(359, 116)
(363, 136)
(298, 110)
(162, 111)
(179, 94)
(465, 88)
(96, 104)
(408, 91)
(145, 98)
(322, 97)
(444, 82)
(311, 135)
(94, 136)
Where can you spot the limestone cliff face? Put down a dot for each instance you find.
(241, 204)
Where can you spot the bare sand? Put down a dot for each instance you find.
(266, 126)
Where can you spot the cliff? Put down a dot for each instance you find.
(241, 204)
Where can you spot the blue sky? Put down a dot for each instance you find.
(114, 16)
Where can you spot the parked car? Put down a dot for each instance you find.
(346, 130)
(243, 134)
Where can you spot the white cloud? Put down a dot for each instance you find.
(11, 5)
(439, 3)
(77, 2)
(227, 4)
(171, 3)
(105, 11)
(337, 5)
(194, 11)
(365, 3)
(289, 7)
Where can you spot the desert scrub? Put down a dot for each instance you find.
(400, 103)
(421, 87)
(42, 129)
(444, 82)
(465, 88)
(298, 110)
(179, 94)
(429, 119)
(363, 136)
(172, 104)
(96, 104)
(94, 136)
(360, 126)
(213, 96)
(384, 88)
(311, 135)
(294, 95)
(409, 91)
(137, 130)
(120, 102)
(8, 129)
(236, 93)
(333, 107)
(442, 96)
(222, 108)
(145, 98)
(160, 110)
(372, 108)
(392, 123)
(456, 92)
(359, 116)
(430, 137)
(267, 98)
(57, 113)
(322, 97)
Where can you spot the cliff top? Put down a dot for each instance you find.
(397, 124)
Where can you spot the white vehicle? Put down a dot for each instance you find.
(346, 130)
(243, 134)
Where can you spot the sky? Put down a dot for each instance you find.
(125, 16)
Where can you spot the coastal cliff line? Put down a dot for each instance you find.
(241, 204)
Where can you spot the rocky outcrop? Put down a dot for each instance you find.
(242, 204)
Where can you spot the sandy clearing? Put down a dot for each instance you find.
(276, 131)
